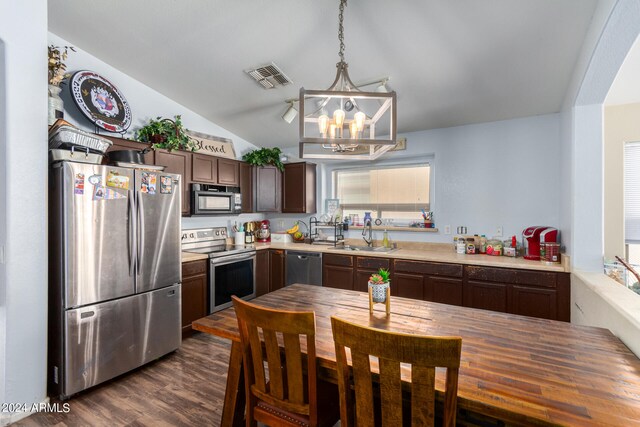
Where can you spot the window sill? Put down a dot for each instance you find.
(393, 228)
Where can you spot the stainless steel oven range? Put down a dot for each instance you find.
(232, 269)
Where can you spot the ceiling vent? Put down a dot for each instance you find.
(269, 76)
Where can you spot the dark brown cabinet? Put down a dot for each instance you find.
(486, 295)
(262, 272)
(204, 169)
(267, 188)
(337, 271)
(429, 281)
(194, 293)
(365, 267)
(299, 188)
(276, 269)
(526, 292)
(178, 162)
(246, 186)
(228, 172)
(408, 286)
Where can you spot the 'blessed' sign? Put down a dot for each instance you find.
(212, 145)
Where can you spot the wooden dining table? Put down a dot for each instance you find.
(514, 370)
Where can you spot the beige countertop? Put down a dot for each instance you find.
(436, 253)
(188, 256)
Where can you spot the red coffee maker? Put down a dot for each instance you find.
(533, 236)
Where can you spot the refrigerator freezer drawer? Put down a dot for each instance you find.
(105, 340)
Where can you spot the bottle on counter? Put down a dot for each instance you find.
(461, 246)
(483, 244)
(385, 239)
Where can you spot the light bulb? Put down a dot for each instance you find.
(338, 117)
(359, 118)
(332, 130)
(323, 124)
(353, 129)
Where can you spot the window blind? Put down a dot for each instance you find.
(385, 190)
(632, 192)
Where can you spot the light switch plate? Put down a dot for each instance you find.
(447, 229)
(1, 254)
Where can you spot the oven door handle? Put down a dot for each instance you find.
(232, 258)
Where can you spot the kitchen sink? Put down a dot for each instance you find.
(365, 248)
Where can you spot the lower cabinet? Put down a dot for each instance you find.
(337, 271)
(485, 295)
(262, 272)
(194, 293)
(539, 294)
(276, 269)
(429, 281)
(365, 267)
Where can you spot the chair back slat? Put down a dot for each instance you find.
(390, 392)
(364, 391)
(286, 388)
(423, 396)
(293, 359)
(272, 350)
(257, 367)
(423, 353)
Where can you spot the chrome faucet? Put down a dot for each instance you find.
(368, 240)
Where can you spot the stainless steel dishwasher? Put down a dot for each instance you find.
(304, 267)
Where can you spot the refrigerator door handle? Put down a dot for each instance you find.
(140, 209)
(131, 207)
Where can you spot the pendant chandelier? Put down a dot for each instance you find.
(342, 120)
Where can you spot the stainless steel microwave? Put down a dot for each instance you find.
(215, 200)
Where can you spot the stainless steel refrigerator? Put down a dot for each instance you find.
(115, 273)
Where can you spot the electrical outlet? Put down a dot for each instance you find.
(499, 231)
(447, 229)
(281, 224)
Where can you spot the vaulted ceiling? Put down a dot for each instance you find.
(451, 62)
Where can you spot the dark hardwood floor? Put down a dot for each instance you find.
(184, 388)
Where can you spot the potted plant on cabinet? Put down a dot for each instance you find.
(166, 134)
(265, 156)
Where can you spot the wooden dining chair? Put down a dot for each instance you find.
(290, 396)
(423, 353)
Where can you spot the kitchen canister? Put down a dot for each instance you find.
(239, 238)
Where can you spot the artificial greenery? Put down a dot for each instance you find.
(380, 278)
(166, 133)
(265, 156)
(57, 67)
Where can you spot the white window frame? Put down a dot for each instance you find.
(430, 161)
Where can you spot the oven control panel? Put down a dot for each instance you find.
(203, 235)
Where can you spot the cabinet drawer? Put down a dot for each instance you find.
(506, 275)
(430, 268)
(370, 262)
(342, 260)
(193, 268)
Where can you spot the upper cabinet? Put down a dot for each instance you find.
(267, 189)
(299, 188)
(229, 172)
(246, 187)
(204, 169)
(213, 170)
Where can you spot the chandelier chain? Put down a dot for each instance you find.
(341, 29)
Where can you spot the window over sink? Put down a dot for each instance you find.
(388, 192)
